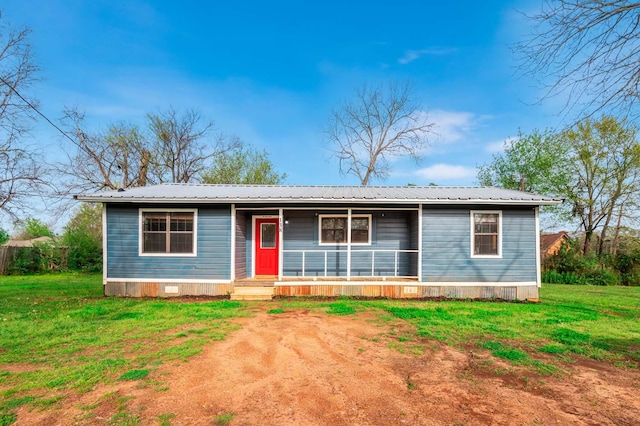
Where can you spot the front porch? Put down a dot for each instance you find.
(323, 244)
(265, 289)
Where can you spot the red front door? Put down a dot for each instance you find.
(266, 246)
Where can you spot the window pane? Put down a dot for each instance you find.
(182, 222)
(328, 223)
(182, 243)
(486, 223)
(333, 236)
(327, 236)
(359, 223)
(155, 242)
(359, 236)
(486, 245)
(268, 235)
(155, 222)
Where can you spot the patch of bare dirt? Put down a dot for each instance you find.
(306, 368)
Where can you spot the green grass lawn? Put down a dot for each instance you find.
(59, 334)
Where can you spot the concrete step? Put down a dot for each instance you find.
(252, 293)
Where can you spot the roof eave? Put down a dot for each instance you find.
(102, 199)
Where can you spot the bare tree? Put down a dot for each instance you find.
(378, 124)
(588, 51)
(20, 178)
(180, 149)
(20, 170)
(116, 158)
(174, 148)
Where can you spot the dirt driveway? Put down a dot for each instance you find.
(307, 368)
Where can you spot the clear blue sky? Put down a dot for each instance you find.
(270, 72)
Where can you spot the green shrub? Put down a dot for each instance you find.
(85, 252)
(555, 277)
(602, 277)
(27, 260)
(4, 236)
(632, 280)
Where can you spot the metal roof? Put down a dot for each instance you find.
(257, 194)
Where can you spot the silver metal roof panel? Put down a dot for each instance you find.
(256, 194)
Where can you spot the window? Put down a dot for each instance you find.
(268, 235)
(333, 229)
(168, 232)
(486, 238)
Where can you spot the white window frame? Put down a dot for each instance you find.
(141, 212)
(345, 216)
(473, 235)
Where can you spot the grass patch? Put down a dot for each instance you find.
(340, 308)
(275, 311)
(223, 419)
(165, 419)
(134, 375)
(7, 419)
(553, 349)
(16, 402)
(570, 337)
(503, 351)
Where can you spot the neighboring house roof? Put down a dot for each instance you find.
(551, 243)
(253, 194)
(27, 243)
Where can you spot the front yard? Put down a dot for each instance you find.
(66, 352)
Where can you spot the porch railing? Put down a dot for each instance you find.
(304, 254)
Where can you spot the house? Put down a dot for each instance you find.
(28, 243)
(254, 241)
(550, 243)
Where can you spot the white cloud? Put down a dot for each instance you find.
(412, 55)
(452, 126)
(498, 146)
(446, 172)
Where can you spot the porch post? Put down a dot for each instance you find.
(280, 243)
(349, 244)
(233, 243)
(419, 243)
(105, 268)
(536, 213)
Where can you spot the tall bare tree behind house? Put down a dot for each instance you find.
(379, 123)
(586, 51)
(21, 170)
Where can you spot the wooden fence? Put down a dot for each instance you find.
(33, 259)
(6, 258)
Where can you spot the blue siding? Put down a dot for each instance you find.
(389, 232)
(241, 245)
(446, 241)
(214, 247)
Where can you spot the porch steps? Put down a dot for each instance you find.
(252, 293)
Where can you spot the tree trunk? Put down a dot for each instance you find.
(614, 250)
(587, 242)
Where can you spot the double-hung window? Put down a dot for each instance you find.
(168, 232)
(486, 233)
(334, 229)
